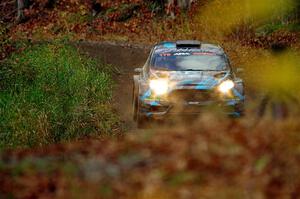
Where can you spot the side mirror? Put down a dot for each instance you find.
(138, 70)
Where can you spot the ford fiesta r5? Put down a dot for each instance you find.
(183, 77)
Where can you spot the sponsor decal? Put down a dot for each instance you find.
(204, 53)
(181, 54)
(187, 50)
(165, 54)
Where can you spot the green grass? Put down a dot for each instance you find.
(51, 93)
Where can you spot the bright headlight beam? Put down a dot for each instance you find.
(226, 86)
(159, 86)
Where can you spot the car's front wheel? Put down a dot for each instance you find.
(134, 104)
(141, 119)
(239, 110)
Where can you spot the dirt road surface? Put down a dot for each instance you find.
(126, 58)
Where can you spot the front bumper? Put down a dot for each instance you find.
(159, 110)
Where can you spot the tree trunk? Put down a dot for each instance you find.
(20, 8)
(21, 5)
(182, 4)
(171, 8)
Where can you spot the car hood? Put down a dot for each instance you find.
(200, 79)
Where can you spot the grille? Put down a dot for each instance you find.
(190, 95)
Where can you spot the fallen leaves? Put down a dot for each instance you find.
(186, 164)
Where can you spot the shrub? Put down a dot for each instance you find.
(51, 93)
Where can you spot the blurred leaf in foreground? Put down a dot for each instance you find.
(222, 16)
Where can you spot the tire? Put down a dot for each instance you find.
(141, 120)
(240, 109)
(134, 104)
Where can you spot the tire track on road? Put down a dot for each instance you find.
(125, 57)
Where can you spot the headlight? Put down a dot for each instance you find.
(159, 86)
(226, 86)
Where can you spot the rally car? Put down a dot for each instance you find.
(183, 77)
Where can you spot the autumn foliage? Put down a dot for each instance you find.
(230, 160)
(254, 157)
(149, 22)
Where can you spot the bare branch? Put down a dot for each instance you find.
(7, 3)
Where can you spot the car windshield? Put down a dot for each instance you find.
(189, 61)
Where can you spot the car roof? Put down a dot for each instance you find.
(188, 44)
